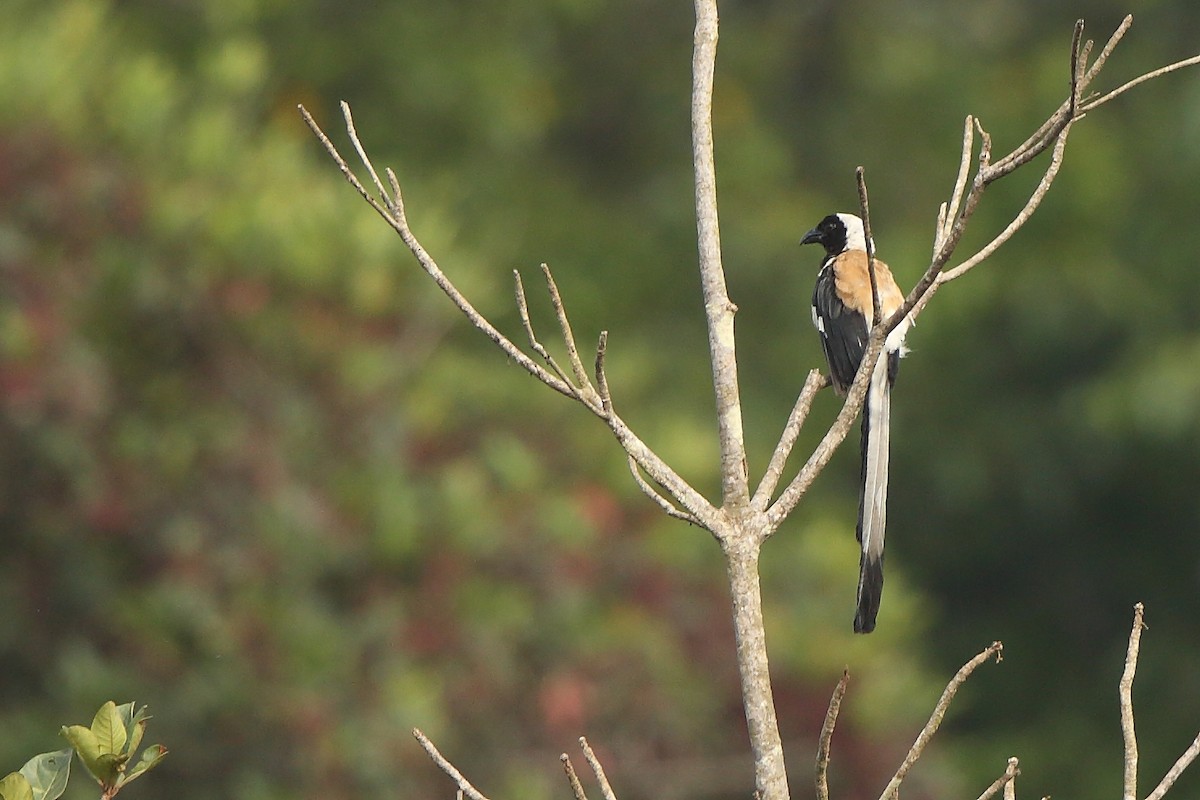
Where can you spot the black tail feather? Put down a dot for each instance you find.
(870, 592)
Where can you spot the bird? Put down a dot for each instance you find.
(843, 314)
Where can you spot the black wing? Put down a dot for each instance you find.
(843, 331)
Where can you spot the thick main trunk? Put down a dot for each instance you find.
(770, 776)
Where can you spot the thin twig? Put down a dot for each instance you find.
(572, 778)
(464, 785)
(1010, 773)
(1022, 217)
(564, 325)
(523, 313)
(397, 199)
(960, 181)
(362, 154)
(1125, 690)
(1109, 46)
(1176, 770)
(1051, 129)
(815, 381)
(396, 218)
(1077, 66)
(669, 508)
(1040, 138)
(597, 769)
(864, 207)
(1187, 62)
(601, 376)
(939, 711)
(347, 173)
(825, 742)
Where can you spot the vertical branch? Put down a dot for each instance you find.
(717, 306)
(824, 744)
(740, 535)
(770, 776)
(864, 208)
(1125, 689)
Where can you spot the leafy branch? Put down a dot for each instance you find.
(107, 749)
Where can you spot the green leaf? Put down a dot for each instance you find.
(136, 729)
(84, 742)
(15, 786)
(109, 728)
(48, 773)
(110, 766)
(154, 754)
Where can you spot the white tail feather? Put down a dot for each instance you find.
(873, 511)
(879, 407)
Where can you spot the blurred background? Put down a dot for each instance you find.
(256, 473)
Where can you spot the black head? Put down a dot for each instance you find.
(837, 233)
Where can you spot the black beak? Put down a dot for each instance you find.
(812, 237)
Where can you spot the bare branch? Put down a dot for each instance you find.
(718, 308)
(995, 649)
(597, 769)
(396, 218)
(601, 376)
(1004, 781)
(646, 458)
(347, 173)
(1125, 690)
(669, 508)
(397, 198)
(1176, 770)
(960, 183)
(523, 312)
(1187, 62)
(1054, 131)
(864, 208)
(749, 632)
(1077, 66)
(833, 438)
(1022, 216)
(362, 154)
(698, 510)
(815, 381)
(825, 742)
(445, 766)
(572, 778)
(564, 325)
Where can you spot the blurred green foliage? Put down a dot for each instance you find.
(255, 471)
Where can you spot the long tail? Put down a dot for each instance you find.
(872, 506)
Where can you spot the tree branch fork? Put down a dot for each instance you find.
(742, 512)
(744, 519)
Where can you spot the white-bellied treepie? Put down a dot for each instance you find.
(843, 313)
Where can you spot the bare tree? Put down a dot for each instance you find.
(745, 518)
